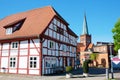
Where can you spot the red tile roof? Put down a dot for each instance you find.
(81, 47)
(90, 46)
(36, 21)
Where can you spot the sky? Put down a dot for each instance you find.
(101, 14)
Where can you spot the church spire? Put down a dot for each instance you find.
(85, 27)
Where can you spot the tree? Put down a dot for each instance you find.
(85, 68)
(116, 35)
(93, 56)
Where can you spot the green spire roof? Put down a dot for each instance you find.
(85, 27)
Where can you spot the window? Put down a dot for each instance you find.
(33, 62)
(60, 30)
(17, 26)
(47, 64)
(13, 62)
(51, 44)
(15, 45)
(9, 31)
(14, 27)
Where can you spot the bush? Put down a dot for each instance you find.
(68, 69)
(85, 66)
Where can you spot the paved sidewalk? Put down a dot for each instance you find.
(58, 77)
(95, 74)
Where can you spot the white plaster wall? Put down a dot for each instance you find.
(57, 62)
(64, 27)
(24, 44)
(45, 43)
(61, 37)
(70, 54)
(36, 42)
(22, 62)
(56, 45)
(34, 52)
(54, 21)
(44, 51)
(61, 46)
(24, 52)
(46, 32)
(54, 34)
(5, 52)
(49, 52)
(4, 71)
(12, 70)
(0, 46)
(22, 71)
(60, 53)
(53, 53)
(6, 46)
(33, 71)
(50, 32)
(4, 62)
(13, 52)
(56, 53)
(57, 36)
(43, 66)
(119, 53)
(51, 26)
(58, 23)
(61, 25)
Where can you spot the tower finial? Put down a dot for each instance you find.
(85, 27)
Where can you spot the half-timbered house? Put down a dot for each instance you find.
(36, 42)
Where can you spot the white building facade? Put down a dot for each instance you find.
(54, 48)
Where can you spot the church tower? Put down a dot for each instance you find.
(85, 38)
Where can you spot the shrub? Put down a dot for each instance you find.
(68, 69)
(85, 66)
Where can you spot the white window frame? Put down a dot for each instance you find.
(14, 45)
(33, 62)
(13, 62)
(9, 31)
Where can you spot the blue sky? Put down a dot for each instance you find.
(101, 14)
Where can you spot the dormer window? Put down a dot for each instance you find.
(14, 26)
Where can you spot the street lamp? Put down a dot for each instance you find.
(110, 45)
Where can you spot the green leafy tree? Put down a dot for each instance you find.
(116, 35)
(93, 56)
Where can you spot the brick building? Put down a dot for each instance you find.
(85, 47)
